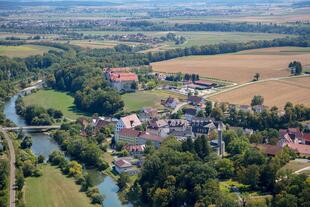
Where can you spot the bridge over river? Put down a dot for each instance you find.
(31, 128)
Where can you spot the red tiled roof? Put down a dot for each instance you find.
(134, 148)
(131, 121)
(306, 137)
(300, 148)
(268, 148)
(151, 137)
(129, 132)
(123, 77)
(122, 163)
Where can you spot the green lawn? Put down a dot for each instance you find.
(53, 189)
(54, 99)
(136, 101)
(24, 50)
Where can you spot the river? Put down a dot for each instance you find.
(43, 144)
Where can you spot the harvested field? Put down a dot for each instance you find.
(239, 67)
(275, 93)
(24, 50)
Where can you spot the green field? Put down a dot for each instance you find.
(53, 189)
(54, 99)
(24, 50)
(193, 38)
(136, 101)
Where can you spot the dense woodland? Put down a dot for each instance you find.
(189, 173)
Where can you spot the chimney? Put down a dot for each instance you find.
(131, 123)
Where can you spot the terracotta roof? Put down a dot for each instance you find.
(129, 132)
(300, 148)
(157, 123)
(268, 148)
(306, 136)
(151, 137)
(121, 163)
(134, 148)
(131, 121)
(117, 77)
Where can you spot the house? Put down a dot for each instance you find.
(148, 114)
(121, 79)
(135, 137)
(306, 139)
(153, 138)
(268, 149)
(182, 135)
(290, 135)
(127, 122)
(170, 102)
(259, 108)
(195, 100)
(205, 83)
(124, 165)
(135, 150)
(158, 127)
(245, 108)
(99, 123)
(301, 149)
(177, 124)
(201, 125)
(84, 122)
(189, 113)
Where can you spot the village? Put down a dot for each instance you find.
(133, 133)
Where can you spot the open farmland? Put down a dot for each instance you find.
(99, 43)
(275, 92)
(193, 38)
(239, 67)
(24, 50)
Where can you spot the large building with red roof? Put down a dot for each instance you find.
(121, 79)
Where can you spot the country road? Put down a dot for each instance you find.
(12, 168)
(254, 82)
(177, 108)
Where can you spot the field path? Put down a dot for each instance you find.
(251, 83)
(12, 168)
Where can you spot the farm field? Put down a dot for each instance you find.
(24, 50)
(238, 67)
(54, 99)
(193, 38)
(99, 43)
(53, 189)
(275, 93)
(136, 101)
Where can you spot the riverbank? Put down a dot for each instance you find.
(43, 144)
(54, 189)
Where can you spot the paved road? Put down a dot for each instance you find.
(12, 168)
(254, 82)
(177, 108)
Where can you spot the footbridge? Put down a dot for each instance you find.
(32, 128)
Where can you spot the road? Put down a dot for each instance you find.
(12, 168)
(250, 83)
(177, 108)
